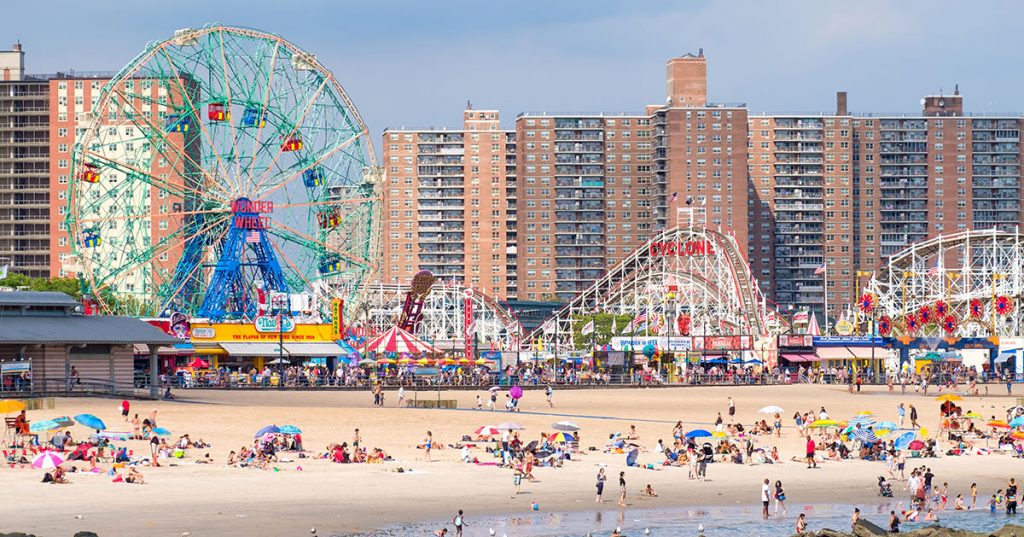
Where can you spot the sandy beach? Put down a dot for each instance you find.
(213, 499)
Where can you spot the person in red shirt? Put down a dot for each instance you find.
(125, 407)
(811, 463)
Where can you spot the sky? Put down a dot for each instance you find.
(415, 63)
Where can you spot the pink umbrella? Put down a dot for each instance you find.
(47, 460)
(516, 392)
(486, 430)
(399, 341)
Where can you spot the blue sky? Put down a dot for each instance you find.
(415, 63)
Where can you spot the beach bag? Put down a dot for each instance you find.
(47, 477)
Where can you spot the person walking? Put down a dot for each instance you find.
(601, 478)
(1011, 497)
(811, 463)
(766, 498)
(732, 410)
(401, 396)
(901, 412)
(913, 418)
(492, 400)
(780, 498)
(428, 443)
(974, 495)
(622, 489)
(549, 393)
(458, 522)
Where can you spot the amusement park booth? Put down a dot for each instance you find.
(44, 334)
(258, 343)
(858, 353)
(937, 354)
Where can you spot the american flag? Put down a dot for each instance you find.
(820, 270)
(252, 237)
(637, 321)
(934, 271)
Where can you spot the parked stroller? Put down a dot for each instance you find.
(884, 488)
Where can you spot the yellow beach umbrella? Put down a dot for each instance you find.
(949, 397)
(422, 361)
(8, 406)
(974, 416)
(821, 424)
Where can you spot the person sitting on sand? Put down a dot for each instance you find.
(930, 516)
(60, 477)
(232, 458)
(649, 491)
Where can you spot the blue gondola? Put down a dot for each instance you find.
(254, 117)
(176, 123)
(91, 238)
(330, 265)
(313, 177)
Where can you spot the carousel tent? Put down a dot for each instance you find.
(399, 341)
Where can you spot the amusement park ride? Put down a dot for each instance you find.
(218, 165)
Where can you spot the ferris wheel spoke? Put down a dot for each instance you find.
(295, 268)
(299, 237)
(229, 96)
(208, 179)
(150, 178)
(298, 173)
(125, 218)
(196, 112)
(263, 108)
(280, 150)
(164, 245)
(327, 203)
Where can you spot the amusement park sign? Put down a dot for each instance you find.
(681, 249)
(268, 323)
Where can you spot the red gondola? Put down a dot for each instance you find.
(218, 112)
(90, 173)
(292, 143)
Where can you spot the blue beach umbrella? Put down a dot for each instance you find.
(886, 425)
(90, 421)
(698, 433)
(1017, 422)
(290, 429)
(160, 431)
(904, 440)
(269, 429)
(865, 435)
(45, 425)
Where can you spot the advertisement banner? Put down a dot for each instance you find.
(468, 324)
(337, 324)
(675, 344)
(722, 343)
(796, 340)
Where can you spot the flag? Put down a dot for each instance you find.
(587, 328)
(3, 272)
(615, 328)
(628, 329)
(636, 322)
(675, 196)
(934, 271)
(820, 270)
(252, 237)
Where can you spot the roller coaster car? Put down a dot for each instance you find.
(254, 117)
(328, 220)
(218, 112)
(90, 173)
(91, 238)
(292, 143)
(330, 266)
(313, 177)
(177, 123)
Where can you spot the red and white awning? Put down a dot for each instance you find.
(399, 341)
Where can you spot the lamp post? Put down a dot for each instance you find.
(995, 276)
(280, 340)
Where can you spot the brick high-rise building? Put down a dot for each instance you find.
(447, 204)
(24, 167)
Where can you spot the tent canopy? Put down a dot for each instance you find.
(399, 341)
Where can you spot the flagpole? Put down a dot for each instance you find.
(825, 295)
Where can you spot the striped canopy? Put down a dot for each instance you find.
(400, 341)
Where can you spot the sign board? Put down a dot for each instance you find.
(15, 368)
(681, 249)
(205, 332)
(796, 340)
(268, 323)
(675, 344)
(337, 325)
(844, 328)
(843, 341)
(722, 343)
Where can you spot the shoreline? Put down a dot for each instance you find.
(362, 498)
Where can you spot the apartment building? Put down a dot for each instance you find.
(584, 198)
(447, 204)
(24, 167)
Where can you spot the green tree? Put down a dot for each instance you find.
(69, 286)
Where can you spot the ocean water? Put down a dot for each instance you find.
(686, 521)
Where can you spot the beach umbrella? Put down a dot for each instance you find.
(561, 437)
(886, 425)
(974, 415)
(487, 430)
(915, 445)
(567, 426)
(998, 424)
(464, 360)
(90, 421)
(719, 434)
(422, 361)
(516, 392)
(949, 397)
(160, 431)
(366, 361)
(771, 409)
(47, 460)
(199, 363)
(865, 435)
(399, 341)
(904, 440)
(45, 425)
(863, 421)
(494, 388)
(1017, 435)
(822, 424)
(509, 426)
(269, 429)
(882, 433)
(8, 406)
(64, 421)
(1017, 422)
(404, 360)
(290, 429)
(698, 433)
(115, 435)
(481, 361)
(865, 413)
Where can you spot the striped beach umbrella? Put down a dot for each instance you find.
(47, 460)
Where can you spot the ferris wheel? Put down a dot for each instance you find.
(221, 167)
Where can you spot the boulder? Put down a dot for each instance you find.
(866, 528)
(827, 532)
(16, 534)
(1009, 530)
(86, 534)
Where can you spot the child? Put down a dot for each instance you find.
(959, 503)
(944, 496)
(479, 403)
(649, 491)
(992, 503)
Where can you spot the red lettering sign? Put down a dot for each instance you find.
(681, 249)
(249, 206)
